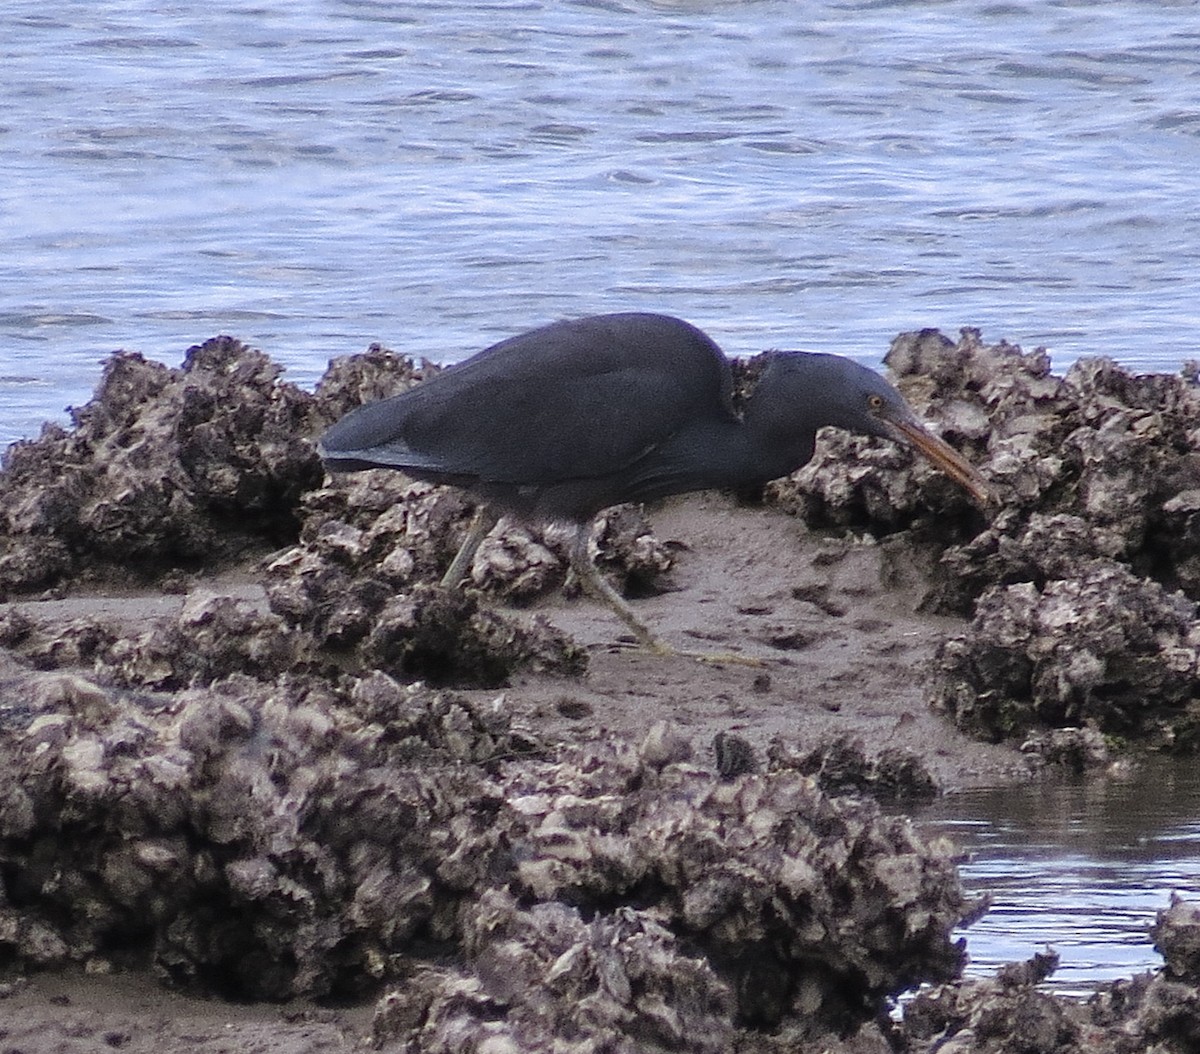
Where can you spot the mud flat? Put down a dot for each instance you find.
(265, 785)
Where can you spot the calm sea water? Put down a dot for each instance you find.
(1081, 866)
(314, 176)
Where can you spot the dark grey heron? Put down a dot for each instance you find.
(559, 423)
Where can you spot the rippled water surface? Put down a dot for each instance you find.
(1079, 866)
(314, 176)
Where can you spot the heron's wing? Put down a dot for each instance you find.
(569, 401)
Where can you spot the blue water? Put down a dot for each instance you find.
(1081, 866)
(313, 177)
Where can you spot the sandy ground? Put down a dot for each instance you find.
(74, 1014)
(832, 621)
(841, 646)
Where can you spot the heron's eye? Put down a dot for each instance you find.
(875, 402)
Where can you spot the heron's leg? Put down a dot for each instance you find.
(591, 580)
(460, 567)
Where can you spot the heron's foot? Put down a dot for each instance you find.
(725, 658)
(657, 646)
(647, 639)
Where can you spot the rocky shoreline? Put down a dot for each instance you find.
(250, 748)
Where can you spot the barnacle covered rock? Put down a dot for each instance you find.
(1076, 749)
(627, 547)
(442, 635)
(430, 633)
(865, 484)
(807, 906)
(1008, 1013)
(1149, 1012)
(375, 524)
(543, 978)
(1071, 583)
(162, 468)
(212, 638)
(52, 645)
(1176, 935)
(520, 562)
(1104, 648)
(270, 840)
(419, 726)
(1100, 461)
(362, 579)
(363, 588)
(256, 841)
(1015, 548)
(377, 373)
(844, 765)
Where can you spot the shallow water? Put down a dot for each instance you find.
(1080, 866)
(313, 177)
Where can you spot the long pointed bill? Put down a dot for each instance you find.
(946, 458)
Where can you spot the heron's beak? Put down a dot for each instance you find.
(944, 457)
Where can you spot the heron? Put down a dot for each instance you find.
(559, 423)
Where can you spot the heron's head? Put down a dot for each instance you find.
(831, 390)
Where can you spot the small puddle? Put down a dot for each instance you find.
(1080, 866)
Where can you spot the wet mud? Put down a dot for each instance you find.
(339, 781)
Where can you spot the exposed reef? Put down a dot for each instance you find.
(1102, 649)
(275, 795)
(269, 841)
(162, 469)
(1082, 583)
(1083, 588)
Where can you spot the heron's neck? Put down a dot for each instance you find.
(720, 454)
(773, 446)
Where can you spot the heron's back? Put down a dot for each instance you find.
(573, 405)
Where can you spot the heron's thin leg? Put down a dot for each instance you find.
(591, 580)
(460, 567)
